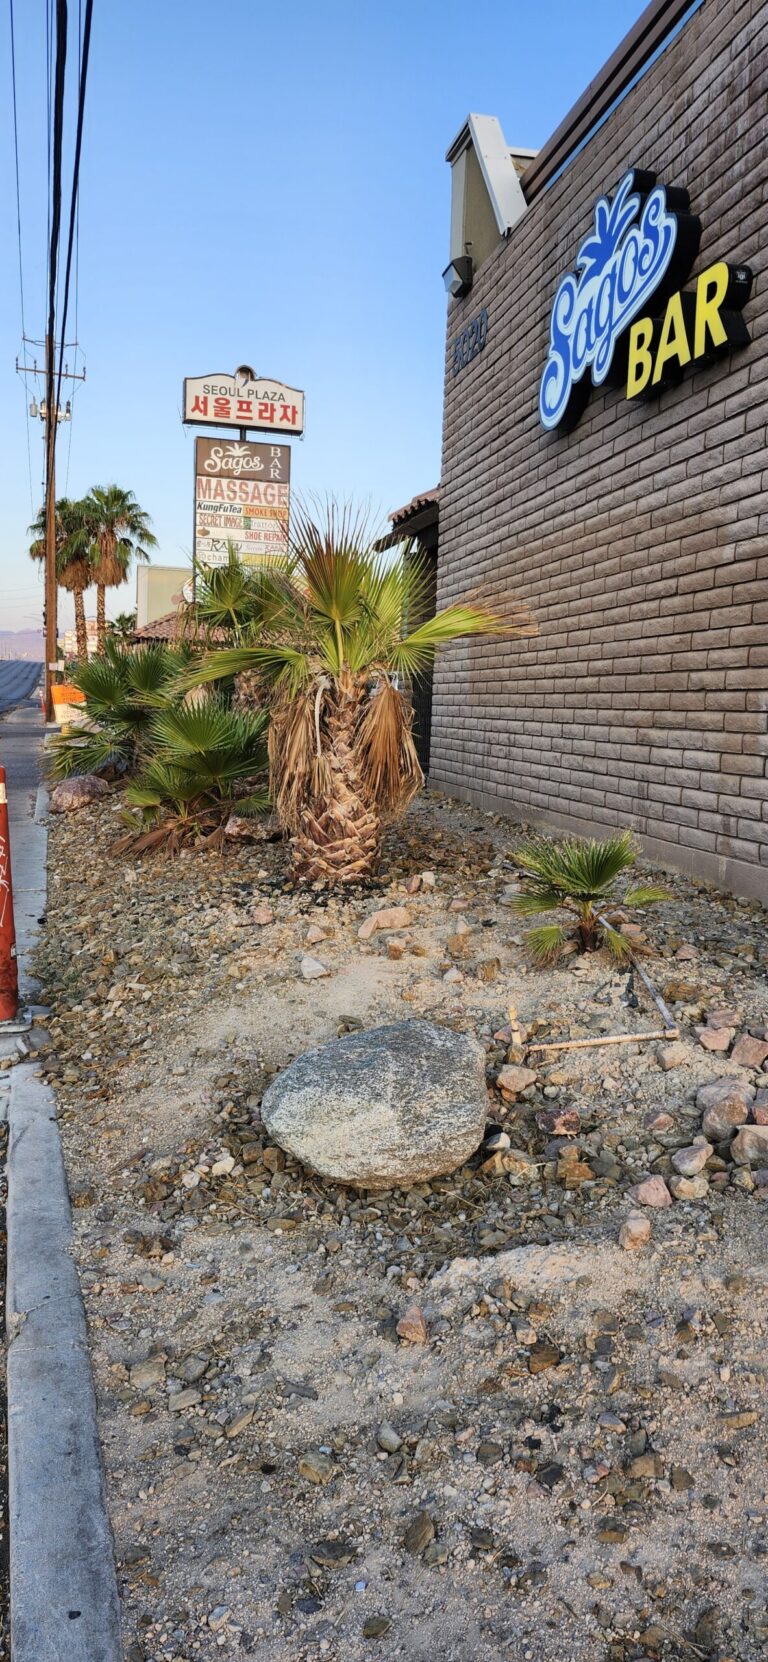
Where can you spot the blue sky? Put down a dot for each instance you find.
(263, 184)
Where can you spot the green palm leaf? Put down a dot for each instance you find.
(546, 943)
(618, 945)
(645, 897)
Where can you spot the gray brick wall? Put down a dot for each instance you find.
(640, 540)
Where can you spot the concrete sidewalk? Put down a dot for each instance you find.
(64, 1598)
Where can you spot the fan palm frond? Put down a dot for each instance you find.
(582, 869)
(645, 896)
(546, 943)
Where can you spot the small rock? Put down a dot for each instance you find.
(635, 1232)
(543, 1357)
(714, 1038)
(238, 1424)
(723, 1015)
(388, 1439)
(182, 1400)
(672, 1056)
(316, 1467)
(145, 1374)
(374, 1627)
(412, 1326)
(681, 992)
(262, 915)
(496, 1141)
(223, 1167)
(749, 1052)
(76, 793)
(559, 1122)
(314, 935)
(750, 1145)
(652, 1191)
(689, 1161)
(312, 969)
(219, 1617)
(513, 1080)
(489, 1453)
(689, 1188)
(659, 1122)
(332, 1555)
(389, 917)
(420, 1531)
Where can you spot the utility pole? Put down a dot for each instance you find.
(50, 414)
(51, 584)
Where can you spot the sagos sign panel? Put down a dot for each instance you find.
(242, 497)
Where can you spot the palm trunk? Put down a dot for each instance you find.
(101, 616)
(81, 632)
(339, 832)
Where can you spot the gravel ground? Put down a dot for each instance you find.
(561, 1453)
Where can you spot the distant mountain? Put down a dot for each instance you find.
(22, 643)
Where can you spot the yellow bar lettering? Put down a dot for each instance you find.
(710, 294)
(674, 341)
(640, 361)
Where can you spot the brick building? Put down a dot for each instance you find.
(639, 537)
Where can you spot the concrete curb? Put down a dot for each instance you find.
(64, 1598)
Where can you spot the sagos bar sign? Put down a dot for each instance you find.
(642, 248)
(242, 500)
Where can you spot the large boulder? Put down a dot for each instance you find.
(77, 792)
(382, 1109)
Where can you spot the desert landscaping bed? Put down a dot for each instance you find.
(457, 1418)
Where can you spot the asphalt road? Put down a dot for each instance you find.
(18, 676)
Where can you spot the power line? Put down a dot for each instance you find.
(77, 267)
(75, 178)
(18, 232)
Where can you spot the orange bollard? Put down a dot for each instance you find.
(9, 975)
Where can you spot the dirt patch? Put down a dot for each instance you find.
(583, 1429)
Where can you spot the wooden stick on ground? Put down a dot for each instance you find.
(608, 1039)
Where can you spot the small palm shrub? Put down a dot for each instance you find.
(123, 690)
(328, 638)
(205, 760)
(579, 877)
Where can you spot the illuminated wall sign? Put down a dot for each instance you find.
(698, 324)
(644, 242)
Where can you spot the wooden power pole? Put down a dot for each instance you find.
(50, 415)
(51, 585)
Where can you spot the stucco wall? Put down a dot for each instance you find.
(641, 539)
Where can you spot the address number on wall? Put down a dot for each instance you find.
(471, 341)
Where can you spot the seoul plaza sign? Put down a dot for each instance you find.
(623, 315)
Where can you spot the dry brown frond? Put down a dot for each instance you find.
(292, 746)
(389, 766)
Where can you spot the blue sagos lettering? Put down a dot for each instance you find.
(620, 264)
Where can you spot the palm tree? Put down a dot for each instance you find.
(74, 567)
(123, 626)
(329, 634)
(119, 530)
(578, 877)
